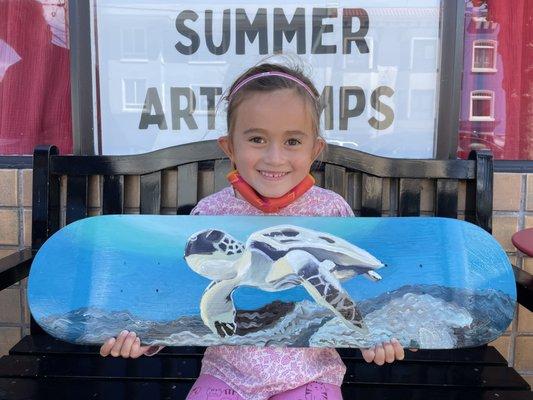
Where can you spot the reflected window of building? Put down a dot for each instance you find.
(133, 92)
(482, 105)
(134, 44)
(423, 54)
(421, 104)
(484, 56)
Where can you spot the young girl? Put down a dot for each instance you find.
(273, 138)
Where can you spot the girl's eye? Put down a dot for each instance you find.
(257, 139)
(293, 142)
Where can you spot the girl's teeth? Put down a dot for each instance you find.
(273, 175)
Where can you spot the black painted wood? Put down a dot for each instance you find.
(371, 196)
(524, 288)
(151, 193)
(187, 187)
(479, 191)
(209, 150)
(335, 179)
(172, 368)
(80, 389)
(446, 198)
(409, 197)
(113, 194)
(76, 198)
(353, 191)
(221, 169)
(15, 267)
(45, 200)
(46, 345)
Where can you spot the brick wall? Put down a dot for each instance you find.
(513, 210)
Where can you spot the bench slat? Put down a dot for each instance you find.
(335, 179)
(151, 193)
(45, 344)
(221, 168)
(353, 190)
(45, 196)
(113, 194)
(371, 196)
(76, 388)
(163, 368)
(409, 198)
(446, 198)
(187, 195)
(18, 389)
(76, 198)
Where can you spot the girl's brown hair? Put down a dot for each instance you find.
(270, 83)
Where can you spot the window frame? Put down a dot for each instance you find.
(481, 94)
(479, 44)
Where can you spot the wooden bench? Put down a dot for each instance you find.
(172, 180)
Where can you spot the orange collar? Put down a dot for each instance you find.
(268, 204)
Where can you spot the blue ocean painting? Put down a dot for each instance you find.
(442, 283)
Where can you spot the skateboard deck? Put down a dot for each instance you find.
(431, 283)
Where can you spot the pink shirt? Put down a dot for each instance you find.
(258, 373)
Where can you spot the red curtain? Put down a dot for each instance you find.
(34, 79)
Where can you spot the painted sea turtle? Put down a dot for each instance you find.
(274, 259)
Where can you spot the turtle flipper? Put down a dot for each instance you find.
(325, 288)
(217, 309)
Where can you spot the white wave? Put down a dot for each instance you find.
(418, 320)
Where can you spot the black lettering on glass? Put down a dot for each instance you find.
(348, 14)
(319, 28)
(226, 26)
(211, 92)
(158, 117)
(382, 108)
(251, 30)
(187, 32)
(344, 100)
(326, 105)
(178, 113)
(283, 27)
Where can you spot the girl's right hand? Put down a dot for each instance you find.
(126, 345)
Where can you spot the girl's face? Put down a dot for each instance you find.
(273, 142)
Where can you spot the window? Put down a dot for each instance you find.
(421, 104)
(482, 105)
(484, 56)
(423, 54)
(134, 44)
(133, 92)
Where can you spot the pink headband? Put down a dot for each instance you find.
(270, 73)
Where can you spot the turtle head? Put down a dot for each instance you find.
(204, 242)
(212, 253)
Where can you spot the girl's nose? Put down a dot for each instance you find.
(274, 154)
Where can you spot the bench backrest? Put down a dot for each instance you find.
(172, 180)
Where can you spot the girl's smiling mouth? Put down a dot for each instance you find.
(272, 174)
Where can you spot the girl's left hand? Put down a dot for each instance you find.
(385, 352)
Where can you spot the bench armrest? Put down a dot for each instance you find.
(15, 267)
(524, 287)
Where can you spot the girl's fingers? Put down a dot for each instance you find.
(399, 353)
(106, 347)
(128, 343)
(115, 350)
(389, 352)
(379, 359)
(368, 354)
(136, 348)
